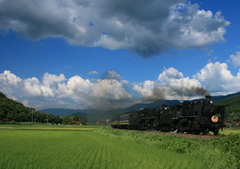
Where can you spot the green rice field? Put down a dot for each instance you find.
(75, 146)
(66, 149)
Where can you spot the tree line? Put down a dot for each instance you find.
(13, 112)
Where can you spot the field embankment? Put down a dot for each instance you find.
(49, 127)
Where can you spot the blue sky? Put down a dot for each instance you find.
(103, 54)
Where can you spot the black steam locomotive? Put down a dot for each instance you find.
(189, 116)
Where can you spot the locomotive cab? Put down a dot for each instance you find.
(212, 117)
(198, 116)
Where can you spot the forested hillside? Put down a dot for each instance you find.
(232, 110)
(12, 112)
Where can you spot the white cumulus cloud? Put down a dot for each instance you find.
(235, 59)
(218, 78)
(93, 72)
(113, 75)
(147, 28)
(55, 90)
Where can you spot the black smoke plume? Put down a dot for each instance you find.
(159, 93)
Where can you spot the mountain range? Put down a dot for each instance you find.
(94, 115)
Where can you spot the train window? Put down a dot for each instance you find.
(196, 113)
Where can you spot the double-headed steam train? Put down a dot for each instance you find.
(189, 116)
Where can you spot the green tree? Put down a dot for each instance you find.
(67, 119)
(58, 120)
(21, 117)
(2, 115)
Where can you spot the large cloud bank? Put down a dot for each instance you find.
(112, 92)
(147, 28)
(56, 90)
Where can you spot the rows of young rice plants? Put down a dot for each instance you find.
(82, 149)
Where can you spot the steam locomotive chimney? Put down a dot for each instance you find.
(208, 97)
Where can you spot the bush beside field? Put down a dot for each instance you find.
(214, 153)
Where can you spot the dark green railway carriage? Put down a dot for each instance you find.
(121, 121)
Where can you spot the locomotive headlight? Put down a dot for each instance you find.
(214, 119)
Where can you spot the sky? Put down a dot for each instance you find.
(101, 54)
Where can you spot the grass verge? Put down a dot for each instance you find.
(218, 153)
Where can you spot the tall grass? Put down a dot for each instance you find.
(21, 149)
(215, 153)
(230, 131)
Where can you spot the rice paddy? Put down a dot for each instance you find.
(79, 147)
